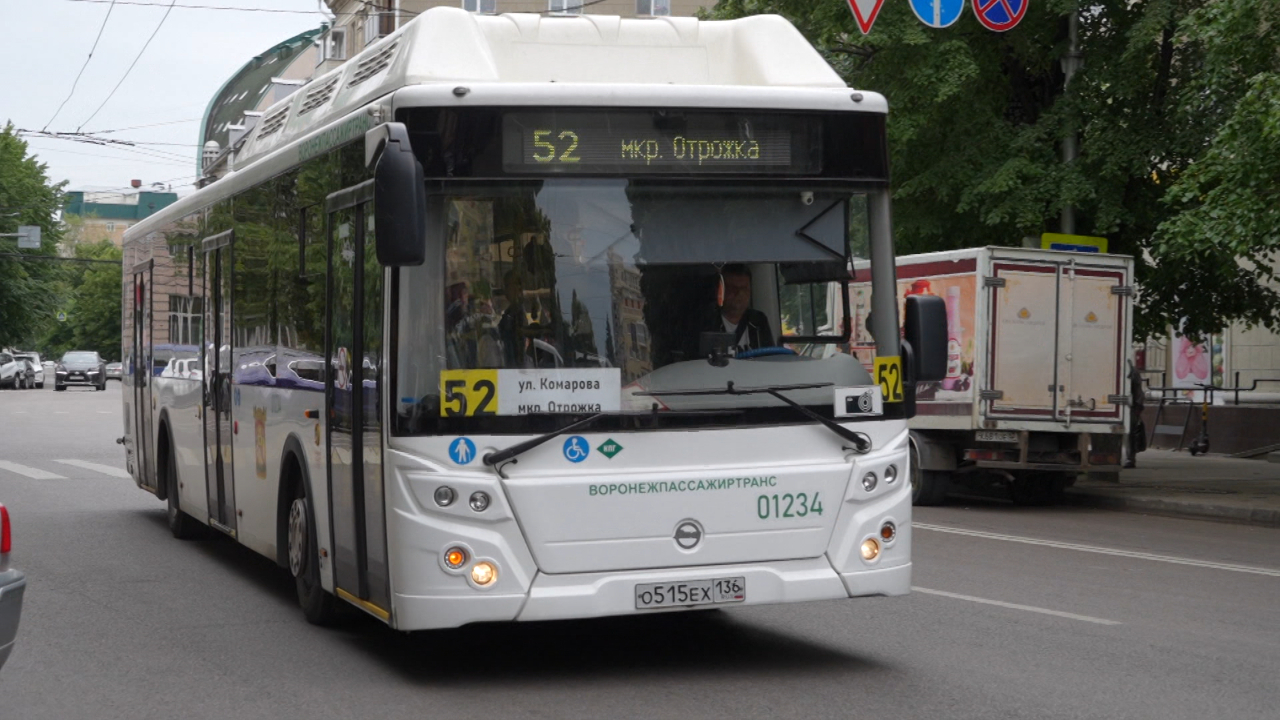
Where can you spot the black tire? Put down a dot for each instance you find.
(318, 606)
(182, 525)
(59, 388)
(1038, 489)
(39, 386)
(928, 487)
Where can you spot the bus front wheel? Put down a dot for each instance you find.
(318, 606)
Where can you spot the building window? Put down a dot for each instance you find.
(379, 22)
(488, 7)
(333, 46)
(111, 227)
(653, 8)
(565, 7)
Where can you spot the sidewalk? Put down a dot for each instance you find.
(1214, 487)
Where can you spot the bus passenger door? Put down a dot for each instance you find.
(142, 374)
(354, 403)
(216, 361)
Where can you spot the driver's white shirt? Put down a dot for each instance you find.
(732, 327)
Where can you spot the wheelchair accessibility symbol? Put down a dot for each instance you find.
(462, 451)
(576, 449)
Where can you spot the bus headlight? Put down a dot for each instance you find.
(869, 482)
(484, 573)
(891, 474)
(479, 501)
(870, 549)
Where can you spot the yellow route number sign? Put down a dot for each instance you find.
(889, 376)
(464, 393)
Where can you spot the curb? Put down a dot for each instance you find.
(1260, 517)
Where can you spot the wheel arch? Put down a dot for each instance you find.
(163, 446)
(293, 470)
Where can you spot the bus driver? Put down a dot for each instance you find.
(750, 327)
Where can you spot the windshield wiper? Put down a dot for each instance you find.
(861, 442)
(496, 459)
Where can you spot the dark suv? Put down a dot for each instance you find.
(80, 367)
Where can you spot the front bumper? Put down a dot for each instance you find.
(12, 586)
(588, 595)
(80, 379)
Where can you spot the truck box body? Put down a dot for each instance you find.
(1038, 348)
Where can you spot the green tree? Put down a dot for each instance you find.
(26, 198)
(94, 319)
(976, 121)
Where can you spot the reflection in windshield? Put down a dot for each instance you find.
(557, 277)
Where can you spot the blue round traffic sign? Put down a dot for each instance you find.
(576, 449)
(999, 15)
(938, 13)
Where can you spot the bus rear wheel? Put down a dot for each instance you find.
(182, 525)
(318, 606)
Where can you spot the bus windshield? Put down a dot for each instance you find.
(573, 296)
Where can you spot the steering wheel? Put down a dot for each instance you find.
(764, 352)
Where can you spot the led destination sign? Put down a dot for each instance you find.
(647, 141)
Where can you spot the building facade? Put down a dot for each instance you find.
(105, 214)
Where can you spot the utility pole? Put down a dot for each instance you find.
(1071, 62)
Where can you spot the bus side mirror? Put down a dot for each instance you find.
(925, 330)
(400, 196)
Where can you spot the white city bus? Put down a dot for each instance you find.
(452, 342)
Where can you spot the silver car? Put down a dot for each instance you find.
(36, 365)
(12, 585)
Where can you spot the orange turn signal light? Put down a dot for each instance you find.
(455, 558)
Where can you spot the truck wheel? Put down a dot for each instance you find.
(928, 487)
(1038, 488)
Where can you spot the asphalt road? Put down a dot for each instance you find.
(1050, 613)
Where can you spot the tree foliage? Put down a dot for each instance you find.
(1175, 110)
(26, 198)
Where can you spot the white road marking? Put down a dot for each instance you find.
(33, 473)
(97, 467)
(1100, 550)
(1015, 606)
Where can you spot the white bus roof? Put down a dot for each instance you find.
(447, 46)
(529, 59)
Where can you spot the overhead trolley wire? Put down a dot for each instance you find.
(131, 65)
(186, 6)
(82, 67)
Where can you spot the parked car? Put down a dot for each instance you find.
(36, 365)
(12, 370)
(81, 367)
(12, 585)
(114, 370)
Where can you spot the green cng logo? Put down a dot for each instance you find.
(609, 448)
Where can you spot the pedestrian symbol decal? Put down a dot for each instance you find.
(865, 12)
(939, 13)
(576, 449)
(999, 15)
(462, 451)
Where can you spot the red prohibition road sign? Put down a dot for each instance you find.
(998, 15)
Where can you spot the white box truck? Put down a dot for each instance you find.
(1036, 392)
